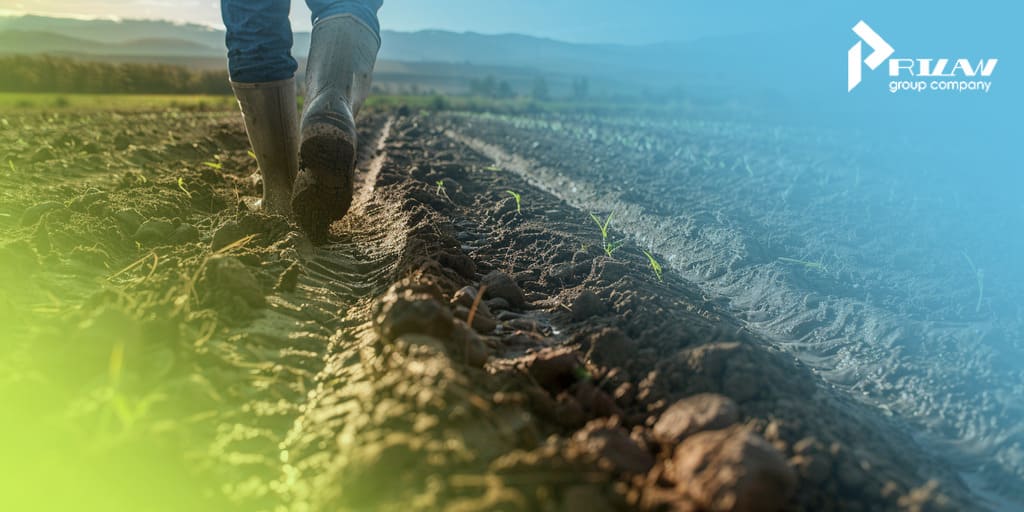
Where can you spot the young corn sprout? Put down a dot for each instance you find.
(181, 185)
(441, 191)
(655, 266)
(214, 165)
(11, 164)
(518, 201)
(606, 244)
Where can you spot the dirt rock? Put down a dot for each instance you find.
(129, 219)
(501, 285)
(483, 319)
(555, 370)
(733, 469)
(497, 303)
(408, 310)
(33, 214)
(226, 277)
(596, 400)
(460, 263)
(154, 230)
(465, 296)
(610, 444)
(468, 346)
(588, 304)
(288, 280)
(610, 346)
(705, 411)
(184, 233)
(483, 322)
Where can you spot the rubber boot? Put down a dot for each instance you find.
(339, 71)
(271, 118)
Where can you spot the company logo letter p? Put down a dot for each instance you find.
(882, 51)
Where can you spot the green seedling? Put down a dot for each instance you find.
(518, 199)
(214, 165)
(492, 168)
(806, 264)
(10, 163)
(251, 154)
(655, 266)
(441, 191)
(979, 275)
(181, 185)
(608, 246)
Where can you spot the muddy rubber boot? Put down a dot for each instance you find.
(339, 70)
(271, 121)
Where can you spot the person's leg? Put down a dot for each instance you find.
(262, 70)
(364, 10)
(259, 40)
(343, 50)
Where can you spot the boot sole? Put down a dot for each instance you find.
(322, 192)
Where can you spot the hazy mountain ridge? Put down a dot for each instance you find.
(28, 34)
(710, 65)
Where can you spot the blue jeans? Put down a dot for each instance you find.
(259, 35)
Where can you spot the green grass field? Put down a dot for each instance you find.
(28, 102)
(20, 102)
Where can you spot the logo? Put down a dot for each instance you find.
(940, 74)
(882, 51)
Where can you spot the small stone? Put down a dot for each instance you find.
(705, 411)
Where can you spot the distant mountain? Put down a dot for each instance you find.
(20, 41)
(715, 65)
(109, 31)
(39, 34)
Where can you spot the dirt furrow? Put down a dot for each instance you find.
(462, 342)
(876, 354)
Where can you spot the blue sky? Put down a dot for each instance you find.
(621, 21)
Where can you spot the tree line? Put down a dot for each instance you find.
(46, 73)
(491, 87)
